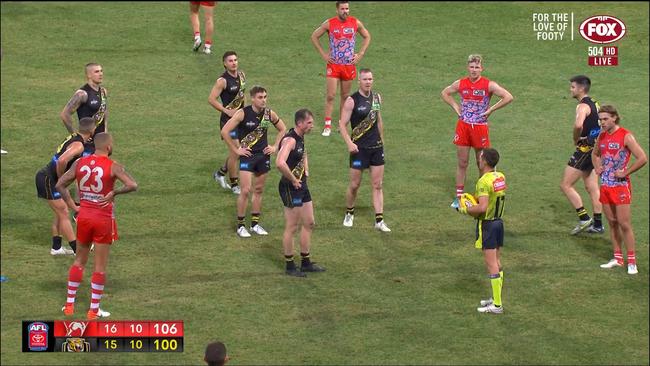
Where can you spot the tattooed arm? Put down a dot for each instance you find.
(79, 97)
(106, 113)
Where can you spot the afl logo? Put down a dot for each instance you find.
(602, 29)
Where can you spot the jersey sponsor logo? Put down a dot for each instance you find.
(234, 88)
(37, 336)
(348, 30)
(613, 146)
(602, 29)
(94, 102)
(478, 93)
(499, 184)
(251, 124)
(594, 133)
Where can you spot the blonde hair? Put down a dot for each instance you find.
(475, 58)
(611, 110)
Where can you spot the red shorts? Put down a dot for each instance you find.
(204, 3)
(94, 229)
(617, 195)
(341, 72)
(474, 135)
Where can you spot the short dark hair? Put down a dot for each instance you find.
(365, 70)
(302, 115)
(86, 124)
(257, 89)
(611, 110)
(491, 156)
(215, 354)
(341, 2)
(582, 81)
(89, 65)
(228, 53)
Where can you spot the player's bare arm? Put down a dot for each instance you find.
(315, 40)
(218, 87)
(447, 96)
(380, 125)
(582, 112)
(306, 163)
(62, 187)
(640, 158)
(106, 112)
(128, 184)
(595, 158)
(230, 126)
(366, 42)
(480, 208)
(75, 149)
(78, 98)
(281, 161)
(500, 92)
(346, 113)
(282, 129)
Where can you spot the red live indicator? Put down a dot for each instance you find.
(603, 61)
(166, 329)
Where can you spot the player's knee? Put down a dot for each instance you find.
(625, 226)
(258, 190)
(329, 97)
(463, 163)
(377, 185)
(354, 186)
(309, 224)
(245, 191)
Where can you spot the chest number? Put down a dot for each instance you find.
(96, 185)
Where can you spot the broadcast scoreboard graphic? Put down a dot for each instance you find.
(103, 336)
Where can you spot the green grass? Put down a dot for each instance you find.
(408, 297)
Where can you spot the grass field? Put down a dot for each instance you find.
(408, 297)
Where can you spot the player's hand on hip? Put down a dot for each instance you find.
(244, 151)
(486, 113)
(353, 148)
(357, 57)
(620, 173)
(269, 149)
(110, 197)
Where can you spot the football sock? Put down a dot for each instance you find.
(598, 220)
(328, 122)
(379, 217)
(495, 280)
(349, 210)
(582, 214)
(197, 35)
(255, 219)
(56, 242)
(619, 256)
(73, 245)
(501, 276)
(459, 190)
(97, 284)
(75, 276)
(304, 260)
(240, 221)
(234, 182)
(631, 258)
(208, 44)
(288, 259)
(222, 171)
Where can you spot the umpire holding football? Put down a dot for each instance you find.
(488, 210)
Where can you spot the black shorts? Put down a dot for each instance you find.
(581, 160)
(490, 233)
(45, 186)
(292, 197)
(366, 158)
(258, 163)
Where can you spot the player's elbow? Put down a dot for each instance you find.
(133, 186)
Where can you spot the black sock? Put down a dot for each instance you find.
(222, 171)
(73, 245)
(305, 261)
(582, 214)
(56, 242)
(379, 217)
(598, 220)
(240, 221)
(234, 182)
(255, 219)
(349, 210)
(288, 259)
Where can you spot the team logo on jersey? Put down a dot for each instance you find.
(75, 329)
(37, 336)
(478, 93)
(94, 101)
(613, 146)
(234, 88)
(348, 30)
(251, 124)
